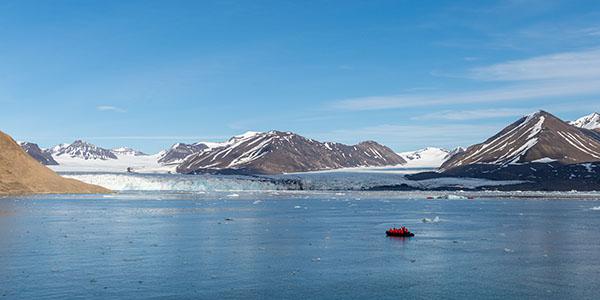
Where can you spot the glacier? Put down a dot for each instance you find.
(316, 181)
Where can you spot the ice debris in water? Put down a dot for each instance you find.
(233, 195)
(256, 202)
(434, 220)
(507, 250)
(595, 208)
(297, 206)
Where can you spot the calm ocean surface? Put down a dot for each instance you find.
(296, 246)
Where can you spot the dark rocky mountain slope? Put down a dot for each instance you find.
(180, 151)
(276, 152)
(43, 156)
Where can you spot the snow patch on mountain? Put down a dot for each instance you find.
(126, 151)
(429, 157)
(82, 150)
(591, 121)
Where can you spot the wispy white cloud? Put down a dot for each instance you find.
(110, 108)
(570, 65)
(543, 77)
(504, 112)
(510, 93)
(590, 31)
(460, 115)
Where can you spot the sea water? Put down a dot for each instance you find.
(297, 245)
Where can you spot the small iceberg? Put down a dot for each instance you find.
(233, 195)
(449, 197)
(595, 208)
(434, 220)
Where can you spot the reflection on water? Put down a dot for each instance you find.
(296, 245)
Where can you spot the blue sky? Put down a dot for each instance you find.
(408, 74)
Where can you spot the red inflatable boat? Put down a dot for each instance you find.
(400, 232)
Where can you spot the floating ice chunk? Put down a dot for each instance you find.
(233, 195)
(508, 250)
(340, 194)
(434, 220)
(595, 208)
(544, 160)
(455, 197)
(297, 206)
(589, 167)
(256, 202)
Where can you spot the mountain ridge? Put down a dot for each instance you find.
(535, 137)
(542, 151)
(39, 154)
(276, 152)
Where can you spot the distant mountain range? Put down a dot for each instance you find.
(540, 149)
(83, 150)
(277, 152)
(271, 152)
(591, 122)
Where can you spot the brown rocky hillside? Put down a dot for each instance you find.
(21, 174)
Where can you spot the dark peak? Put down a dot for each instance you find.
(540, 113)
(80, 142)
(280, 133)
(368, 143)
(548, 118)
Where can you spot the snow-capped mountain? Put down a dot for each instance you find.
(41, 155)
(81, 156)
(591, 122)
(82, 150)
(178, 152)
(126, 151)
(429, 157)
(540, 150)
(539, 137)
(277, 152)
